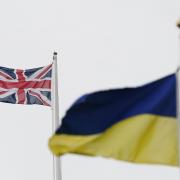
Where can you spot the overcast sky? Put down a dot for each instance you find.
(101, 44)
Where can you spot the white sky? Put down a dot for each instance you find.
(102, 44)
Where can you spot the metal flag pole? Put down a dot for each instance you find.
(55, 115)
(178, 95)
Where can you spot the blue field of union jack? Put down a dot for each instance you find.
(30, 86)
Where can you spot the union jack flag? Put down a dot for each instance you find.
(30, 86)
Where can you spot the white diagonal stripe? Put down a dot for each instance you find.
(38, 72)
(10, 92)
(42, 96)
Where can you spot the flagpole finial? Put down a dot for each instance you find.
(178, 23)
(178, 69)
(55, 53)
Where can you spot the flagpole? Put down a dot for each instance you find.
(55, 115)
(178, 94)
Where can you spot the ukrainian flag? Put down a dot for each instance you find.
(131, 124)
